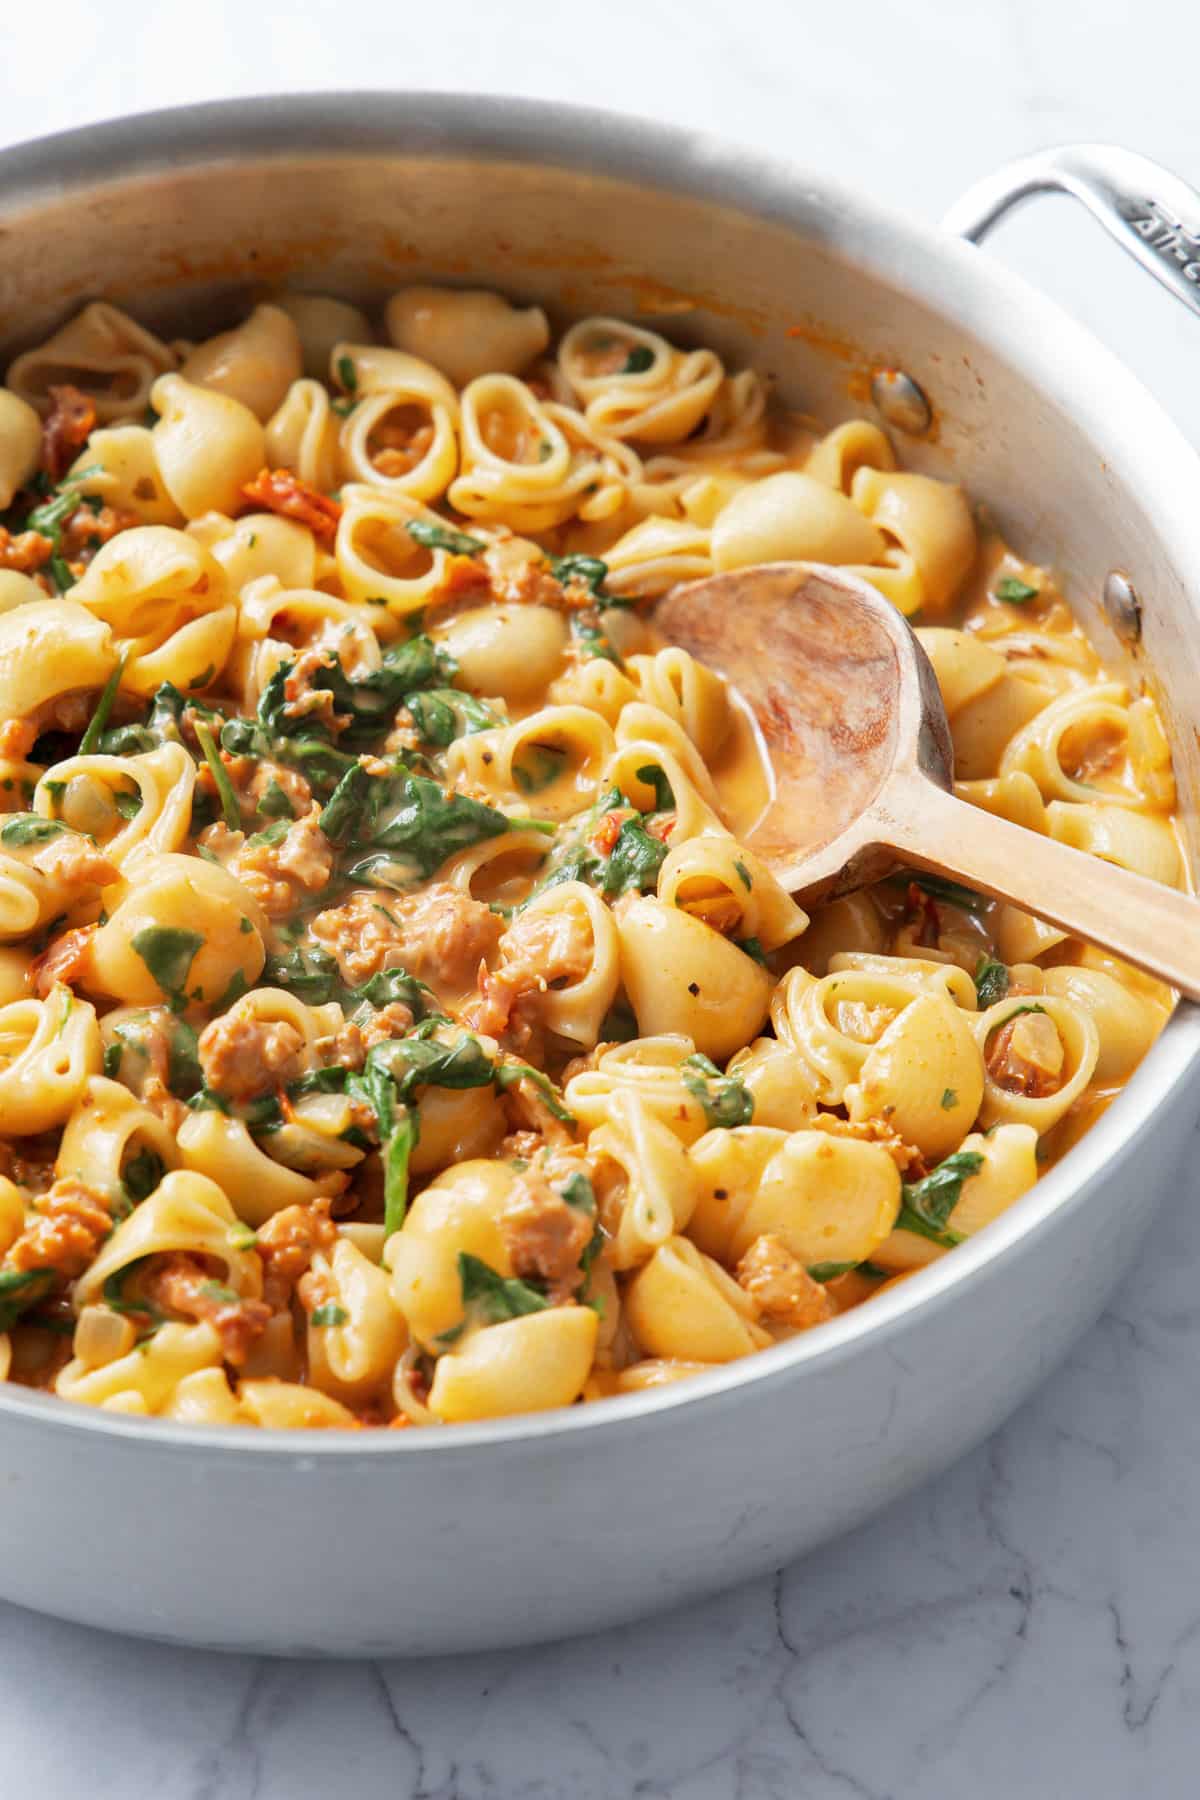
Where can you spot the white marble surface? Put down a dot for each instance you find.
(1030, 1623)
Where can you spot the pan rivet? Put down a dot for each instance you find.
(901, 401)
(1123, 607)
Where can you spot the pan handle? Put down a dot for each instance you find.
(1150, 212)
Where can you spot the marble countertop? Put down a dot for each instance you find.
(1029, 1623)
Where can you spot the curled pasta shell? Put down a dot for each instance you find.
(254, 363)
(48, 1049)
(101, 351)
(923, 1077)
(521, 1366)
(466, 332)
(188, 1212)
(683, 1304)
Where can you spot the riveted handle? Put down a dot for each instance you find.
(1150, 212)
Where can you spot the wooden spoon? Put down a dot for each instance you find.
(849, 706)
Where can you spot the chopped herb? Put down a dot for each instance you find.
(397, 1150)
(664, 798)
(367, 704)
(163, 723)
(724, 1098)
(540, 767)
(991, 981)
(90, 740)
(113, 1293)
(347, 374)
(220, 775)
(751, 947)
(271, 834)
(236, 987)
(311, 974)
(577, 1191)
(951, 893)
(49, 518)
(275, 803)
(206, 675)
(926, 1205)
(328, 1314)
(509, 1074)
(128, 803)
(635, 861)
(443, 537)
(619, 1024)
(168, 952)
(443, 714)
(22, 829)
(409, 823)
(590, 570)
(1016, 592)
(391, 986)
(142, 1173)
(60, 573)
(19, 1289)
(217, 1290)
(640, 358)
(592, 639)
(744, 874)
(949, 1099)
(491, 1296)
(830, 1271)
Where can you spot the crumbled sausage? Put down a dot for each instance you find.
(544, 1235)
(243, 1056)
(279, 491)
(907, 1157)
(263, 775)
(63, 960)
(1025, 1055)
(350, 1046)
(781, 1286)
(17, 738)
(25, 551)
(531, 1120)
(74, 861)
(440, 935)
(72, 1221)
(85, 530)
(70, 423)
(539, 952)
(277, 874)
(288, 1242)
(306, 697)
(179, 1283)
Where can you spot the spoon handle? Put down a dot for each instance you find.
(1153, 927)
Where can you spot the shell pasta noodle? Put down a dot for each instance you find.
(398, 1027)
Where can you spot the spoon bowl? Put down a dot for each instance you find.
(849, 707)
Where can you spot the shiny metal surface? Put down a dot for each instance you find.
(900, 402)
(1151, 213)
(1123, 606)
(548, 1525)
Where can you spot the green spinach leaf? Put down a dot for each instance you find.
(725, 1098)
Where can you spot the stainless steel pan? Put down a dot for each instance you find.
(509, 1532)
